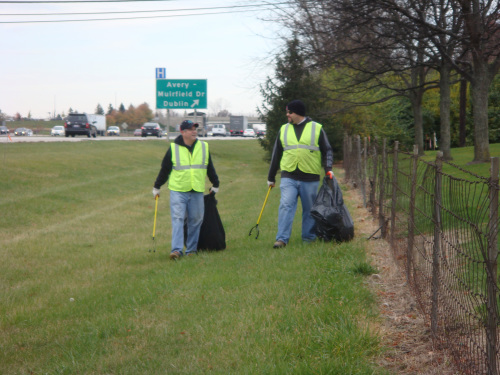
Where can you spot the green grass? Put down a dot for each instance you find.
(77, 221)
(463, 157)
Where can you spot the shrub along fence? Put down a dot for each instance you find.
(442, 225)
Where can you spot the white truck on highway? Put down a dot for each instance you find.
(99, 122)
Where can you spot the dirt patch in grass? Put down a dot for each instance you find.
(403, 328)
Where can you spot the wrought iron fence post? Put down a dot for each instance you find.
(394, 192)
(373, 182)
(346, 157)
(357, 155)
(381, 218)
(363, 170)
(491, 264)
(349, 158)
(411, 219)
(436, 254)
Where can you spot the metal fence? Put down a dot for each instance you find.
(442, 225)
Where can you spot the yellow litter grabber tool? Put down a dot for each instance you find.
(154, 225)
(256, 227)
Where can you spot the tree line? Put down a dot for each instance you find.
(398, 69)
(133, 116)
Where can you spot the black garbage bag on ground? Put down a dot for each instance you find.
(212, 234)
(333, 220)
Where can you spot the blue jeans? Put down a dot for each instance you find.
(291, 190)
(192, 204)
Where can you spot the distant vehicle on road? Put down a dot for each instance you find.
(137, 132)
(4, 130)
(23, 132)
(152, 129)
(237, 125)
(219, 130)
(82, 124)
(57, 130)
(113, 130)
(249, 133)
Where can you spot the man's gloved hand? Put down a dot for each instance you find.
(329, 174)
(214, 190)
(271, 183)
(156, 192)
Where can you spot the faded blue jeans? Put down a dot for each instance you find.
(291, 190)
(192, 204)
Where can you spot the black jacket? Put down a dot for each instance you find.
(324, 147)
(166, 165)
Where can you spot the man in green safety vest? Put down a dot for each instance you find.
(185, 166)
(301, 151)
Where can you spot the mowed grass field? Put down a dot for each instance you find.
(80, 293)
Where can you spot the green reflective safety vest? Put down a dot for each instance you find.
(189, 170)
(303, 153)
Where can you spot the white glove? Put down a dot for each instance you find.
(214, 190)
(156, 192)
(270, 183)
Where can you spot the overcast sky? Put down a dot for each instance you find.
(62, 65)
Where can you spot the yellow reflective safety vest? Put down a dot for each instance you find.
(189, 170)
(303, 153)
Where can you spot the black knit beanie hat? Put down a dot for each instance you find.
(296, 106)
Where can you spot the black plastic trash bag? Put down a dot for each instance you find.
(333, 220)
(212, 234)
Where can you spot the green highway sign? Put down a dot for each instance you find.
(181, 93)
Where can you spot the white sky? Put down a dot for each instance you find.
(47, 66)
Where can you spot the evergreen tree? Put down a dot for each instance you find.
(99, 110)
(294, 80)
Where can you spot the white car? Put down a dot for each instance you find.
(113, 130)
(57, 130)
(249, 133)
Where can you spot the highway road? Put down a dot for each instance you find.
(41, 138)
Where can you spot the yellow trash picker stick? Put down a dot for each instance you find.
(154, 225)
(261, 211)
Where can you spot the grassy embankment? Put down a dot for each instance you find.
(76, 224)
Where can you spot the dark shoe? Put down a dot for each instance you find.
(279, 244)
(174, 255)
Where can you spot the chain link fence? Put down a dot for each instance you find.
(442, 225)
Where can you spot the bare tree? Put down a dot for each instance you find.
(482, 24)
(218, 105)
(440, 27)
(374, 44)
(381, 38)
(472, 26)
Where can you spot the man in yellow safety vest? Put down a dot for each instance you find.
(301, 151)
(185, 166)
